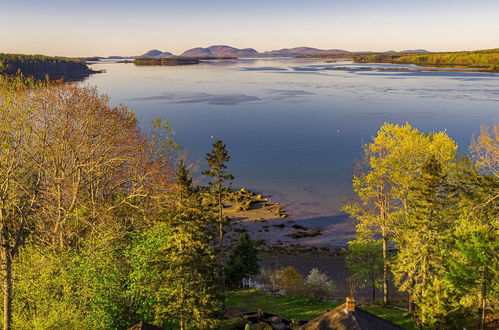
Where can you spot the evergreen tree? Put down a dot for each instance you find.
(216, 161)
(473, 269)
(243, 260)
(184, 186)
(422, 242)
(175, 272)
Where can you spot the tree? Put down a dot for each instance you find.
(72, 168)
(290, 280)
(184, 180)
(473, 261)
(175, 271)
(21, 180)
(485, 150)
(318, 286)
(243, 260)
(391, 162)
(216, 161)
(364, 259)
(425, 236)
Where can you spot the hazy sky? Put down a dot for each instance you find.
(125, 27)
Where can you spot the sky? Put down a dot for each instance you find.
(125, 27)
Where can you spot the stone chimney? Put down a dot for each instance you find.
(350, 304)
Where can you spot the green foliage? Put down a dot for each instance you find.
(365, 260)
(104, 242)
(77, 290)
(162, 143)
(392, 161)
(422, 240)
(243, 260)
(216, 161)
(39, 66)
(488, 59)
(473, 262)
(165, 61)
(175, 273)
(441, 215)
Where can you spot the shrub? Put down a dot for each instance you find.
(318, 286)
(289, 280)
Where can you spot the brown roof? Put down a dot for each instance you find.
(340, 319)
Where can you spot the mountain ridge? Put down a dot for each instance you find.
(229, 51)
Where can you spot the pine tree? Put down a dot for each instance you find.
(243, 260)
(216, 161)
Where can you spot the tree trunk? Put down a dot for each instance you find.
(410, 305)
(483, 298)
(373, 292)
(385, 268)
(7, 289)
(221, 233)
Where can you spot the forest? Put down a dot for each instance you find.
(103, 226)
(165, 61)
(40, 66)
(486, 59)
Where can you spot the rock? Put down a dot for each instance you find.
(275, 320)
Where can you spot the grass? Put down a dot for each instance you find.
(393, 315)
(301, 309)
(291, 308)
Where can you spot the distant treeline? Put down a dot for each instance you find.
(488, 59)
(165, 61)
(40, 66)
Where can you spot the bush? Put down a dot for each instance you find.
(289, 280)
(318, 286)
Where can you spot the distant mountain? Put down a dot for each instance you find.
(303, 51)
(220, 51)
(414, 51)
(228, 51)
(154, 53)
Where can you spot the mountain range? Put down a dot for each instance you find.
(227, 51)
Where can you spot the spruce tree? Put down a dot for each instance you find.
(184, 181)
(424, 237)
(216, 161)
(243, 260)
(175, 271)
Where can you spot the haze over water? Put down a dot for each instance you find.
(292, 128)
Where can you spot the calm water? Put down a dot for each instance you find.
(292, 128)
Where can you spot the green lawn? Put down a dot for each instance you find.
(300, 309)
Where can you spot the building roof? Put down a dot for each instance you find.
(341, 319)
